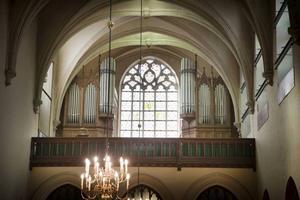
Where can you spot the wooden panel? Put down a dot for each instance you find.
(155, 152)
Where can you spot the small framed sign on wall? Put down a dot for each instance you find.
(262, 110)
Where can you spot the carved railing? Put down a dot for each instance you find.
(151, 152)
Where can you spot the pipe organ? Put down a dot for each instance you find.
(213, 100)
(214, 107)
(205, 103)
(107, 94)
(86, 102)
(187, 86)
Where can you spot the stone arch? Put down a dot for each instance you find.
(65, 191)
(223, 180)
(217, 191)
(121, 13)
(86, 57)
(53, 182)
(157, 185)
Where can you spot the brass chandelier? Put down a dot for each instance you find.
(103, 182)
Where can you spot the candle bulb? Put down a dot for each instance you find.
(127, 177)
(95, 159)
(126, 166)
(87, 166)
(82, 177)
(86, 180)
(90, 180)
(121, 167)
(109, 166)
(96, 169)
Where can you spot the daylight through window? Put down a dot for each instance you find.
(149, 101)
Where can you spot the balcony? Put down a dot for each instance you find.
(146, 152)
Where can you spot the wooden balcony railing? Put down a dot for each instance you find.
(151, 152)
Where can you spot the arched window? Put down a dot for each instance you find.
(74, 104)
(143, 192)
(66, 191)
(90, 104)
(291, 192)
(266, 195)
(216, 193)
(149, 101)
(204, 104)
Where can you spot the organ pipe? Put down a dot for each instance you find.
(204, 98)
(104, 78)
(74, 104)
(220, 104)
(90, 104)
(187, 88)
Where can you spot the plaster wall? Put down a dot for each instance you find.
(18, 122)
(170, 183)
(278, 141)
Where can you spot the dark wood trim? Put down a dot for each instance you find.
(257, 58)
(280, 12)
(261, 89)
(245, 114)
(283, 53)
(146, 152)
(47, 94)
(243, 87)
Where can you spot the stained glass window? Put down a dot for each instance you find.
(149, 101)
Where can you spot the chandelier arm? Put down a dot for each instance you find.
(140, 66)
(105, 180)
(109, 74)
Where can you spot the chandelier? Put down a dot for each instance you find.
(103, 182)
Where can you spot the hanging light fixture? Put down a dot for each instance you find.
(103, 182)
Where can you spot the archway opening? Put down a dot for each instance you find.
(142, 192)
(291, 192)
(266, 195)
(66, 191)
(216, 193)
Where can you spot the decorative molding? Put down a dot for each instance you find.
(238, 127)
(261, 89)
(250, 105)
(36, 105)
(268, 75)
(18, 23)
(221, 179)
(294, 14)
(9, 75)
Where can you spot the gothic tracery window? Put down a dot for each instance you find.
(149, 101)
(142, 192)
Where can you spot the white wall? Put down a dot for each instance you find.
(18, 123)
(172, 184)
(278, 141)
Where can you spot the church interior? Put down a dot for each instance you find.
(150, 99)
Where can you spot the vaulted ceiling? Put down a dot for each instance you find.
(73, 33)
